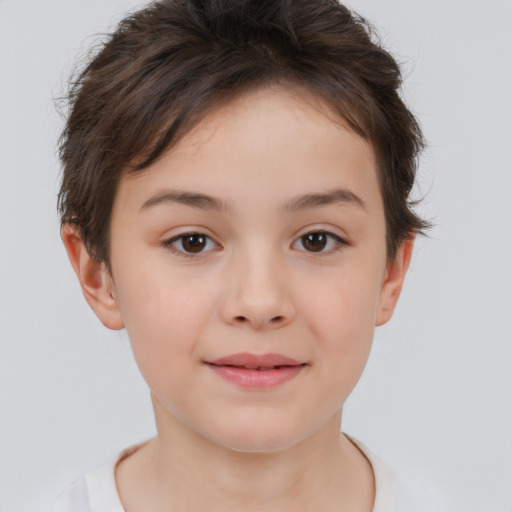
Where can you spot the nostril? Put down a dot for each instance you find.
(275, 321)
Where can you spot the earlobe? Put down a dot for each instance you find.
(96, 284)
(393, 282)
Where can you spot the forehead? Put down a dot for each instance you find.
(277, 139)
(270, 117)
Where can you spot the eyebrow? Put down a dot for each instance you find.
(194, 199)
(207, 202)
(339, 195)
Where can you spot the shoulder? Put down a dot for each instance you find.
(396, 491)
(94, 492)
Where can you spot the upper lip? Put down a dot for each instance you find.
(247, 360)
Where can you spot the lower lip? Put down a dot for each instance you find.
(256, 379)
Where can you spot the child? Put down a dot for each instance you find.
(235, 195)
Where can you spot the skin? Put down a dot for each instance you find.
(255, 287)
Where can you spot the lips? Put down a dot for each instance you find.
(252, 361)
(252, 371)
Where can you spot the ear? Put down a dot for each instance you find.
(97, 285)
(393, 281)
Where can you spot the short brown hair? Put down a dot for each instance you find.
(166, 66)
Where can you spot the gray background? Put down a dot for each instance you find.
(435, 400)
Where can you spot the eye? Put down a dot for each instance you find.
(191, 243)
(319, 241)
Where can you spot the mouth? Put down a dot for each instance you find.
(259, 368)
(256, 372)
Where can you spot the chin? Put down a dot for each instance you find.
(260, 437)
(262, 444)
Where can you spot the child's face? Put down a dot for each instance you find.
(250, 281)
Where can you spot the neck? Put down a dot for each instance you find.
(182, 470)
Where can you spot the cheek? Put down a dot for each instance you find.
(343, 318)
(164, 319)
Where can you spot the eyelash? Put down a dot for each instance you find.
(169, 244)
(340, 243)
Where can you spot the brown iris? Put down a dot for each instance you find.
(314, 242)
(193, 243)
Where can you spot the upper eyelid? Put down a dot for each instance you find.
(320, 230)
(339, 239)
(169, 245)
(201, 231)
(328, 231)
(188, 233)
(175, 238)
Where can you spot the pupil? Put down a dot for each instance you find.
(314, 241)
(194, 243)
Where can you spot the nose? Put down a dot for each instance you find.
(258, 293)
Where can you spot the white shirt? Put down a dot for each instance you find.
(97, 491)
